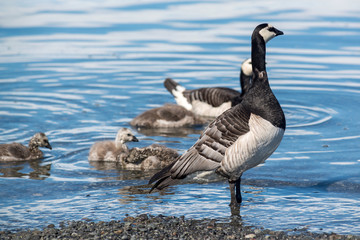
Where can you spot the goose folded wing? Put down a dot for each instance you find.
(209, 150)
(213, 96)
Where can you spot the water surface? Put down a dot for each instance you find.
(80, 71)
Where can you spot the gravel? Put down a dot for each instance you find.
(163, 227)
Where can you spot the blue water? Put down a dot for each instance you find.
(80, 71)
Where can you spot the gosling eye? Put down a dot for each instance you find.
(129, 135)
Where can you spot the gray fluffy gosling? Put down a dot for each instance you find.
(112, 150)
(18, 152)
(167, 116)
(152, 157)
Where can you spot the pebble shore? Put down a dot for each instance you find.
(163, 227)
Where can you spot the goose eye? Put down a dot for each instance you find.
(129, 135)
(271, 29)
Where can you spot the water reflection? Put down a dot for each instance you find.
(34, 169)
(122, 174)
(131, 194)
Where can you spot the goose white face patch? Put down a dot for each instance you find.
(252, 148)
(266, 34)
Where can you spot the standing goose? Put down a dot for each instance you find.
(211, 102)
(18, 152)
(242, 137)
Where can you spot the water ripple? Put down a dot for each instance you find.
(299, 116)
(82, 71)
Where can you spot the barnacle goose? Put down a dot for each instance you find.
(112, 150)
(151, 157)
(18, 152)
(212, 101)
(242, 137)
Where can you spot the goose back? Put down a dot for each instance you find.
(213, 101)
(151, 157)
(167, 116)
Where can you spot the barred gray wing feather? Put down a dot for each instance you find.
(208, 152)
(214, 96)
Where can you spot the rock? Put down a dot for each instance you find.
(164, 227)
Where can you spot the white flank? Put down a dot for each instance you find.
(179, 97)
(204, 109)
(266, 34)
(253, 148)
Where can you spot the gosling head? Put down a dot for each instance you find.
(39, 140)
(125, 135)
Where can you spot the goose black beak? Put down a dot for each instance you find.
(278, 32)
(48, 146)
(134, 139)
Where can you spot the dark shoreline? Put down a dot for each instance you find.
(163, 227)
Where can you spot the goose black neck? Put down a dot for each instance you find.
(258, 51)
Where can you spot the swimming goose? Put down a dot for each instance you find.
(167, 116)
(112, 150)
(18, 152)
(242, 137)
(152, 157)
(211, 102)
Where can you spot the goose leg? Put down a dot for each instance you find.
(232, 193)
(235, 192)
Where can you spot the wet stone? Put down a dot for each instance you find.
(162, 227)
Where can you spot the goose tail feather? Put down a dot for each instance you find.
(163, 178)
(171, 85)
